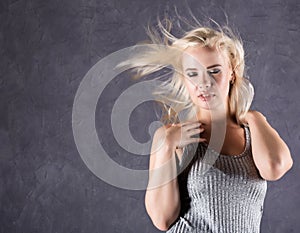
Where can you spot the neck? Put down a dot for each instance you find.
(216, 116)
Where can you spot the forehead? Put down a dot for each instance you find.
(203, 56)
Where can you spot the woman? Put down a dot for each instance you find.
(209, 81)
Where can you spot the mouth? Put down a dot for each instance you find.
(206, 97)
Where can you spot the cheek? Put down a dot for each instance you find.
(190, 88)
(223, 84)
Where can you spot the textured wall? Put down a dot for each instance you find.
(46, 49)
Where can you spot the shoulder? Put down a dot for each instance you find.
(254, 115)
(160, 136)
(160, 132)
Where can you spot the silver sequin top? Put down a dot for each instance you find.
(226, 197)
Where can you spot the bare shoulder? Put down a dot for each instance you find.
(161, 130)
(159, 138)
(255, 114)
(159, 133)
(158, 143)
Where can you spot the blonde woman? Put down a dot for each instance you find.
(229, 196)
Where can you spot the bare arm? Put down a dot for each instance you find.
(162, 203)
(162, 199)
(270, 153)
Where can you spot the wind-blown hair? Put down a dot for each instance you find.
(165, 51)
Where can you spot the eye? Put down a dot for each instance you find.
(192, 74)
(213, 71)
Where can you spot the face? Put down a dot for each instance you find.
(207, 74)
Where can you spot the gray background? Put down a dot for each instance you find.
(46, 49)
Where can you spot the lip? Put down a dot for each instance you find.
(205, 97)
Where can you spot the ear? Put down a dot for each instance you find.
(232, 76)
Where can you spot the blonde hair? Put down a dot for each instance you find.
(164, 52)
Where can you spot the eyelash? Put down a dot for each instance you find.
(214, 71)
(192, 74)
(210, 72)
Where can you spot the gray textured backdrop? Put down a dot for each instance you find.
(46, 49)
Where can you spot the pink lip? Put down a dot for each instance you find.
(205, 97)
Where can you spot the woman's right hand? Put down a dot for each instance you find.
(181, 134)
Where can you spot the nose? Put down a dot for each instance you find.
(204, 82)
(203, 86)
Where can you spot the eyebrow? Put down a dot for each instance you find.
(215, 65)
(190, 69)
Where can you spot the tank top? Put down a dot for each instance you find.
(225, 196)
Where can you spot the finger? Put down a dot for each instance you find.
(193, 126)
(195, 131)
(187, 123)
(195, 140)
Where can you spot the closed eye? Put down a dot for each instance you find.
(213, 71)
(192, 74)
